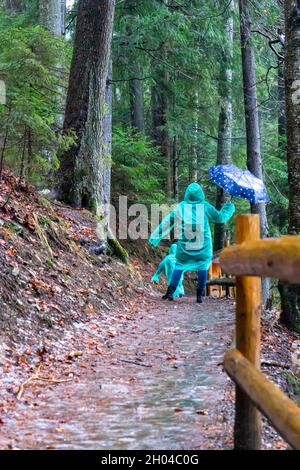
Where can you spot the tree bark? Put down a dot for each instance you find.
(14, 6)
(281, 90)
(193, 158)
(193, 164)
(160, 108)
(135, 86)
(107, 141)
(82, 167)
(160, 134)
(225, 116)
(281, 111)
(136, 101)
(52, 18)
(254, 159)
(175, 169)
(3, 149)
(52, 15)
(291, 294)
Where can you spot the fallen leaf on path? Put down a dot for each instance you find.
(73, 354)
(112, 332)
(22, 360)
(89, 309)
(11, 251)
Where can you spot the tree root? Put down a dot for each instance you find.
(41, 234)
(37, 377)
(118, 250)
(275, 364)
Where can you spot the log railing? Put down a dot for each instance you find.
(250, 259)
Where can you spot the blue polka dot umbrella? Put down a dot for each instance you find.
(240, 183)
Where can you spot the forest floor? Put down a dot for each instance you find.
(92, 358)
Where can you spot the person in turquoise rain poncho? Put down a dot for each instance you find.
(167, 266)
(190, 221)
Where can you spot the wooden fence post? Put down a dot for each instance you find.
(226, 243)
(247, 430)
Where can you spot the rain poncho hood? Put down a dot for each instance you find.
(194, 194)
(191, 220)
(167, 266)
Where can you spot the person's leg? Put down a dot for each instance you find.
(180, 288)
(176, 276)
(173, 284)
(202, 279)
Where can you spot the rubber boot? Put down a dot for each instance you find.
(169, 294)
(200, 296)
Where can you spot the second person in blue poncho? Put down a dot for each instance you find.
(167, 266)
(190, 221)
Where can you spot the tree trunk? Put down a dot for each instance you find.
(193, 159)
(52, 15)
(291, 294)
(175, 170)
(82, 167)
(52, 18)
(254, 160)
(281, 90)
(3, 149)
(160, 107)
(14, 6)
(160, 135)
(136, 94)
(193, 164)
(174, 155)
(281, 111)
(137, 101)
(107, 140)
(225, 116)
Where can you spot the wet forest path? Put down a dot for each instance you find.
(156, 383)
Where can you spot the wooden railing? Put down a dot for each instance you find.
(248, 260)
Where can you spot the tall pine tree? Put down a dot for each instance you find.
(82, 167)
